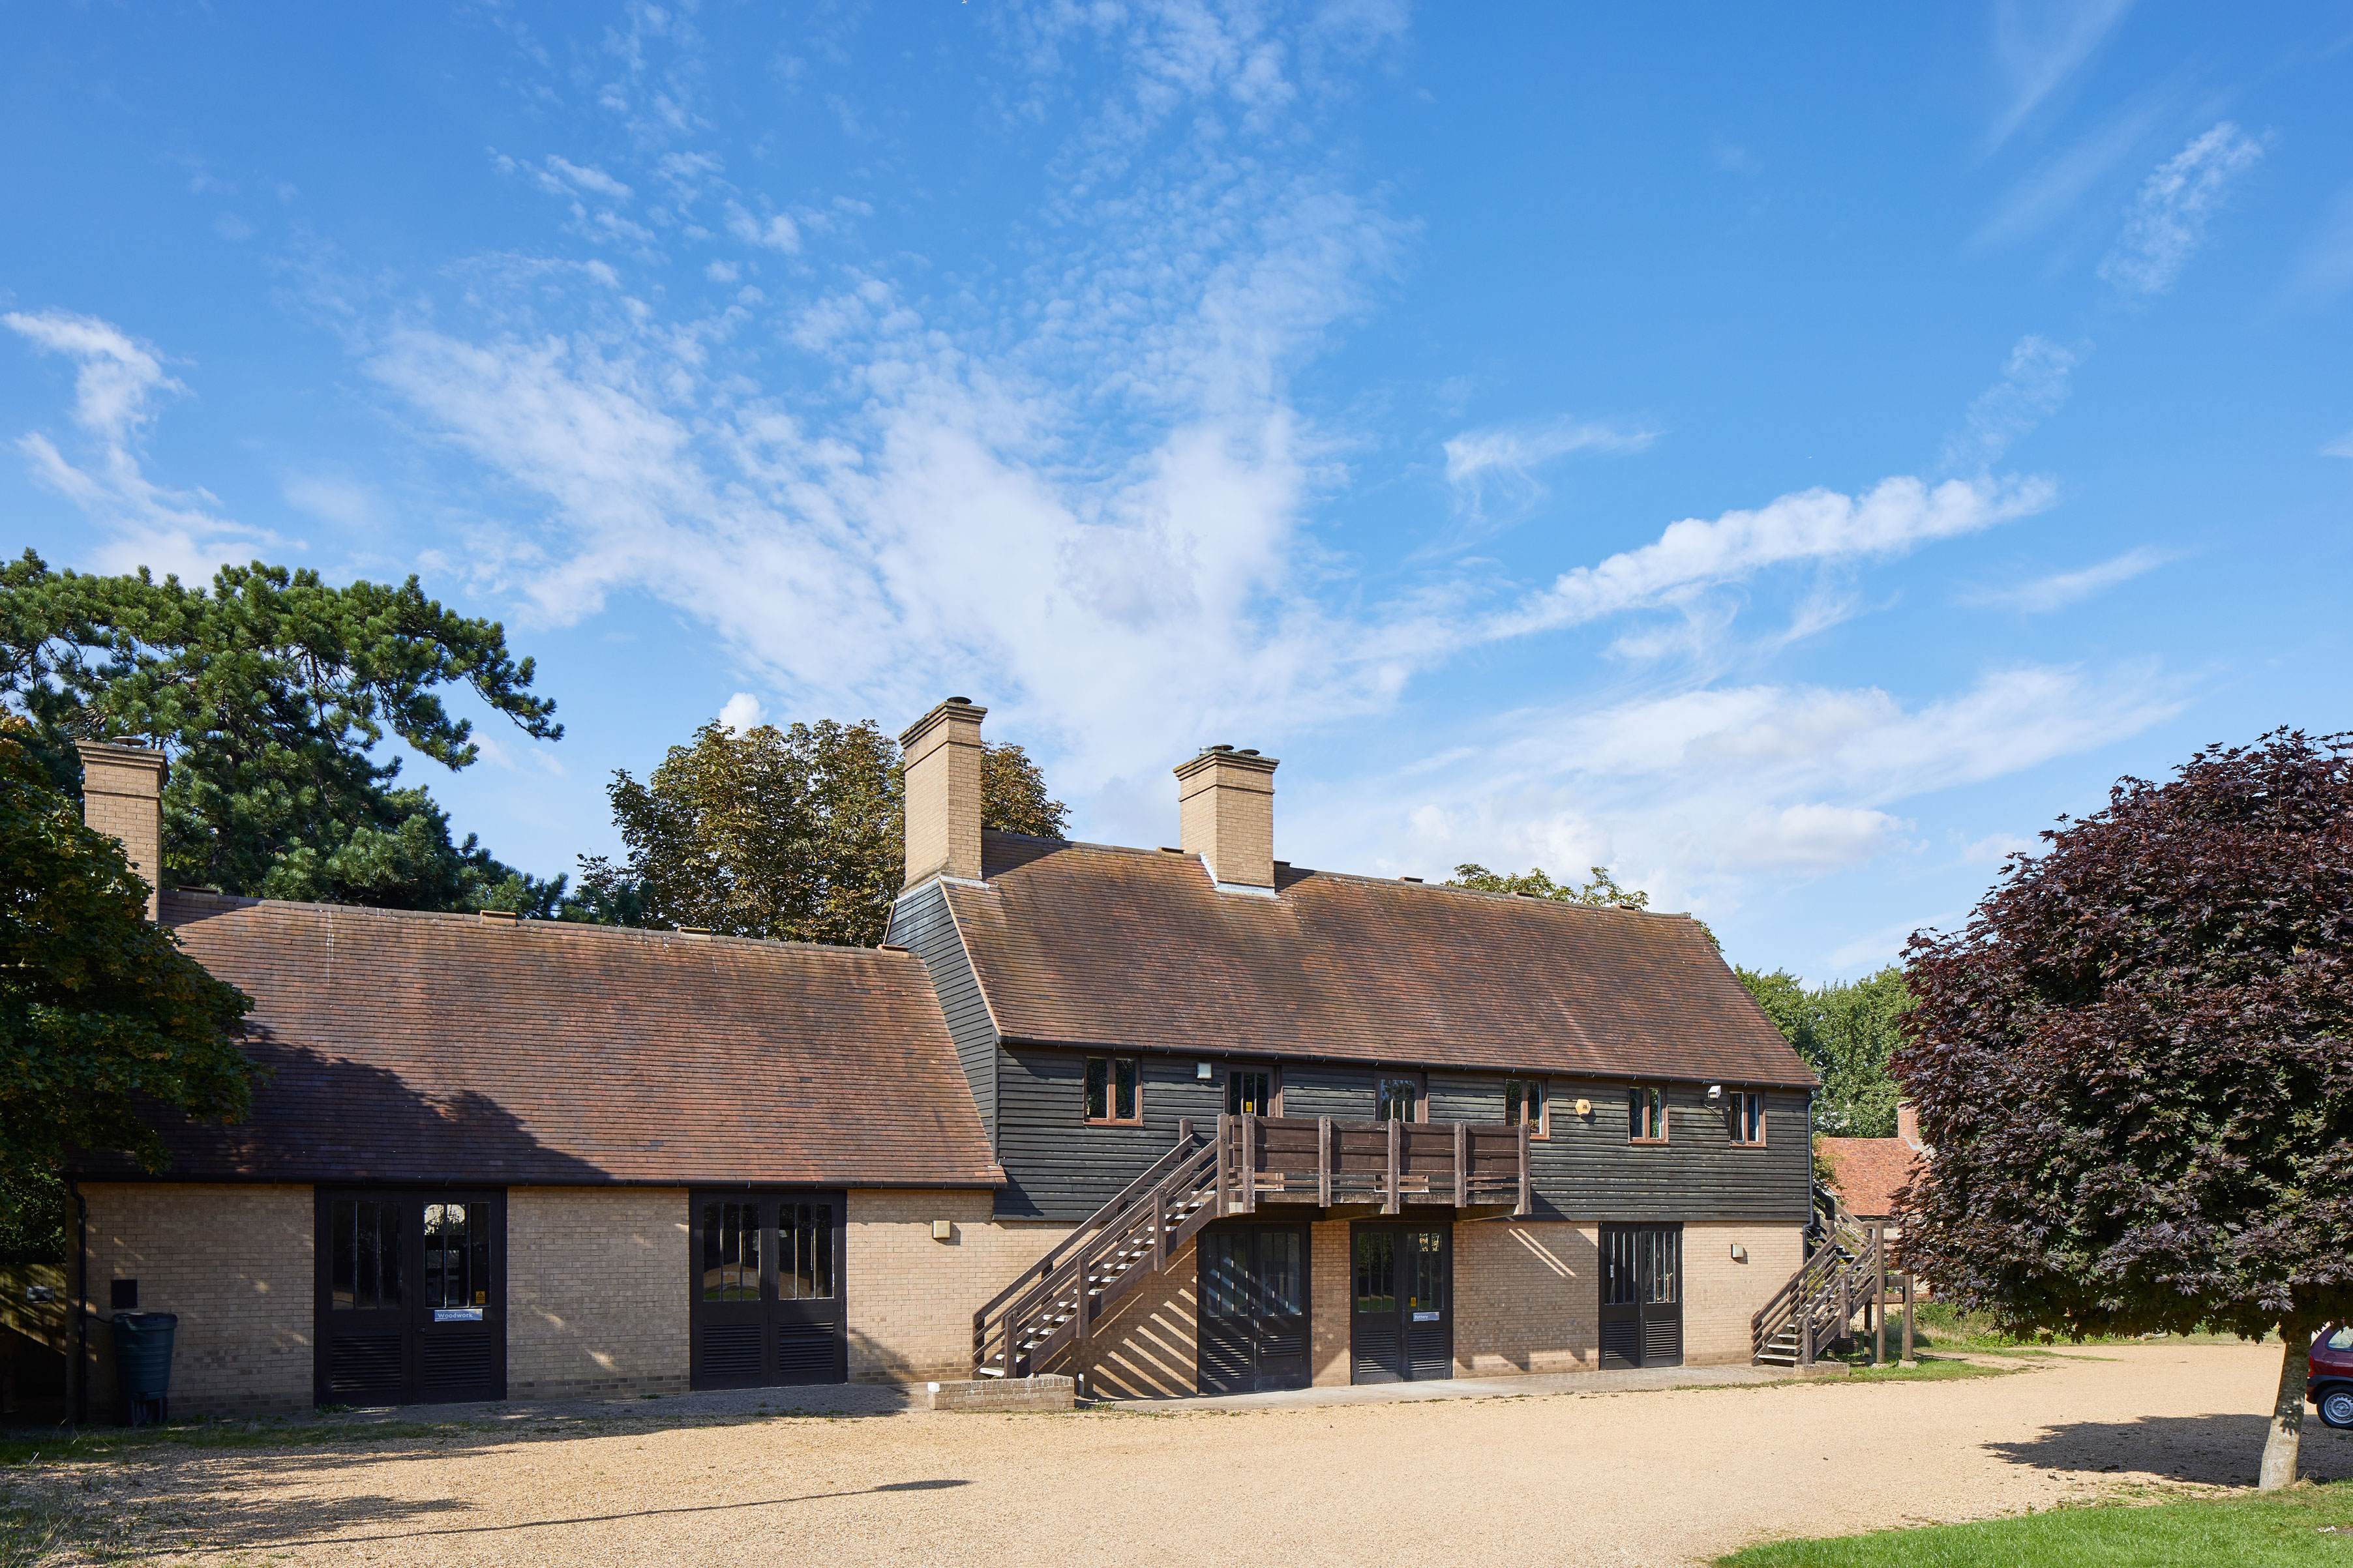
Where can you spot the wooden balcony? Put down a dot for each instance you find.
(1323, 1161)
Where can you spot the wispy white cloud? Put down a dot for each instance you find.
(1894, 518)
(333, 498)
(2061, 589)
(1493, 471)
(2054, 187)
(2340, 448)
(1997, 847)
(117, 381)
(2038, 46)
(775, 232)
(2033, 384)
(2167, 220)
(1704, 796)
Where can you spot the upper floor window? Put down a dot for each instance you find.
(1646, 1114)
(1743, 1111)
(1527, 1102)
(1250, 1091)
(1400, 1097)
(1115, 1089)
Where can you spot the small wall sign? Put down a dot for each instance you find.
(457, 1314)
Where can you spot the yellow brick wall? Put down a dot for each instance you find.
(1328, 1285)
(910, 1299)
(597, 1280)
(236, 1263)
(1720, 1295)
(1527, 1298)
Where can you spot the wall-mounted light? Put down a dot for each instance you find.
(1715, 1091)
(1739, 1253)
(1205, 1071)
(943, 1230)
(1584, 1108)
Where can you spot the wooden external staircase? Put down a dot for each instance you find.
(1320, 1163)
(1847, 1270)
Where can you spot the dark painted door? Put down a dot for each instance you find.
(411, 1296)
(1401, 1318)
(766, 1290)
(1254, 1296)
(1641, 1295)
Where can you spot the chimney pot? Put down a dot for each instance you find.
(123, 798)
(1225, 802)
(942, 755)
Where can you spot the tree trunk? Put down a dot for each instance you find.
(2287, 1412)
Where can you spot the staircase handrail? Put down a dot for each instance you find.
(1186, 1138)
(1067, 1269)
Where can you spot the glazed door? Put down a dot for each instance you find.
(1641, 1295)
(766, 1288)
(411, 1296)
(1253, 1327)
(1401, 1322)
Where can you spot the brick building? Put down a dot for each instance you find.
(1176, 1119)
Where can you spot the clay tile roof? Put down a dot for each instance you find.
(1088, 944)
(407, 1047)
(1869, 1173)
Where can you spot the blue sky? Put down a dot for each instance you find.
(1789, 463)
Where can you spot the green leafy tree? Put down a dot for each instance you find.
(2135, 1065)
(794, 833)
(270, 692)
(100, 1010)
(1848, 1033)
(1600, 890)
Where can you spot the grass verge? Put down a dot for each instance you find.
(2304, 1525)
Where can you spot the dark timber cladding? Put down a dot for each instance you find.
(1056, 1167)
(921, 923)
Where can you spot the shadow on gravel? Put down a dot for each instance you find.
(2209, 1450)
(231, 1525)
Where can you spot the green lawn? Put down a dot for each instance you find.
(2310, 1524)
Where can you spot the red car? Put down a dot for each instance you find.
(2330, 1386)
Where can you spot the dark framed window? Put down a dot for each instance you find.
(456, 1256)
(1743, 1111)
(730, 1251)
(1114, 1091)
(364, 1249)
(804, 1251)
(1646, 1114)
(1252, 1091)
(1400, 1098)
(1528, 1101)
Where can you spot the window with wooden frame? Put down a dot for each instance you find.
(1400, 1097)
(1254, 1091)
(1743, 1111)
(1646, 1114)
(1528, 1101)
(1114, 1091)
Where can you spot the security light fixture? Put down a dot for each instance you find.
(943, 1230)
(1205, 1071)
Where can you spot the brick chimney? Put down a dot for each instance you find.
(1907, 1124)
(123, 798)
(942, 751)
(1225, 806)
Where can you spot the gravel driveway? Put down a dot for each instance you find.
(1649, 1478)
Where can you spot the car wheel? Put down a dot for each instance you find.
(2337, 1407)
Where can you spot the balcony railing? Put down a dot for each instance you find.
(1326, 1163)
